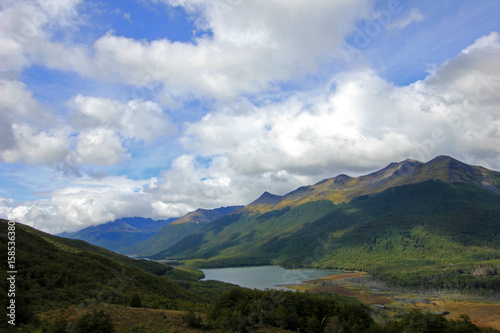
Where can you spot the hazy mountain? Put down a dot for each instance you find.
(119, 234)
(410, 222)
(177, 230)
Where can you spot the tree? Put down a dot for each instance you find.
(313, 325)
(135, 301)
(96, 322)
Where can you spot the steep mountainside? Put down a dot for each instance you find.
(119, 234)
(409, 223)
(177, 230)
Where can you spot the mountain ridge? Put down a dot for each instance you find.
(344, 188)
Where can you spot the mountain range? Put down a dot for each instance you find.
(409, 223)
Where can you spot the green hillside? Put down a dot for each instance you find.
(54, 272)
(238, 239)
(439, 227)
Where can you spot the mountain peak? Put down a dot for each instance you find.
(268, 199)
(202, 216)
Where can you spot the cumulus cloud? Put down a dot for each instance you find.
(26, 28)
(37, 147)
(312, 133)
(29, 132)
(86, 202)
(143, 120)
(98, 146)
(97, 134)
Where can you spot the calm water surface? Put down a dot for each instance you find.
(262, 277)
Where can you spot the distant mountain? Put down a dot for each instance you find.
(410, 223)
(177, 230)
(119, 234)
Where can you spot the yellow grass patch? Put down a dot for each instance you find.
(481, 314)
(342, 276)
(126, 318)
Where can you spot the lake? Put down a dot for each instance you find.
(262, 277)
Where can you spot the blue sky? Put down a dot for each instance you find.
(154, 108)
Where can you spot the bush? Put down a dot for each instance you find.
(193, 320)
(95, 322)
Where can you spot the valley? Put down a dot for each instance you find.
(411, 243)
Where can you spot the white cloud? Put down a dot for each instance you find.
(37, 147)
(472, 77)
(143, 120)
(86, 202)
(413, 16)
(29, 132)
(309, 133)
(32, 133)
(25, 30)
(98, 146)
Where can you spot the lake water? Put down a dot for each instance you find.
(262, 277)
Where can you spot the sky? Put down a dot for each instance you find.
(154, 108)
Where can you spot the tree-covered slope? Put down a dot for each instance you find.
(239, 238)
(54, 272)
(430, 233)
